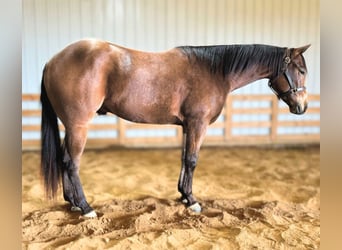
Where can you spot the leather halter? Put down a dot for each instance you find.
(285, 73)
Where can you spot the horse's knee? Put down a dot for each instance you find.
(191, 162)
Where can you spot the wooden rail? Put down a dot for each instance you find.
(229, 129)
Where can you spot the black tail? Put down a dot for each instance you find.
(51, 152)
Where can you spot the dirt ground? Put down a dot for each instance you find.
(252, 198)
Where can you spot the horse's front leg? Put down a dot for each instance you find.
(193, 135)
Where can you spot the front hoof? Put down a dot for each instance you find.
(90, 215)
(195, 207)
(75, 209)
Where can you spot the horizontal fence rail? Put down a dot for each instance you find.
(245, 119)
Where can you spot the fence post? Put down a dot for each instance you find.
(274, 118)
(228, 119)
(121, 131)
(179, 135)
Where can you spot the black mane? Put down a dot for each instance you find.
(227, 59)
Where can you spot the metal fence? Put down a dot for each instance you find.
(245, 119)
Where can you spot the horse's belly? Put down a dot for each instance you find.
(145, 113)
(147, 101)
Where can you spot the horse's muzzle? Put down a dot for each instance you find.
(299, 109)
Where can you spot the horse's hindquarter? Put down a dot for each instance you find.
(75, 80)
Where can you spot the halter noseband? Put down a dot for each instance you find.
(285, 73)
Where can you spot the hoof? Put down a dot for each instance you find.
(91, 214)
(75, 209)
(195, 207)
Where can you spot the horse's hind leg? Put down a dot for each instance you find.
(74, 143)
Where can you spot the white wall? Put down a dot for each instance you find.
(155, 25)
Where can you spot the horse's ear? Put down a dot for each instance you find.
(300, 50)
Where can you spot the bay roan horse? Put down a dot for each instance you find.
(186, 86)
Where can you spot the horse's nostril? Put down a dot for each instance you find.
(300, 109)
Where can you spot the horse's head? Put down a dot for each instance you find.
(289, 84)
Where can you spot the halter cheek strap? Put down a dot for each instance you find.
(285, 73)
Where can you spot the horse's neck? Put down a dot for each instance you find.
(236, 81)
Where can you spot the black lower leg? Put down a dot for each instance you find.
(186, 185)
(182, 172)
(67, 189)
(72, 188)
(67, 186)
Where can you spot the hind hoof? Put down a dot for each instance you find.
(195, 207)
(90, 215)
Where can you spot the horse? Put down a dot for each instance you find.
(185, 86)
